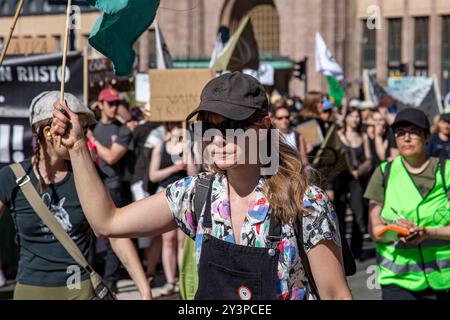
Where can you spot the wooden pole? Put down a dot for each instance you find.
(86, 76)
(64, 61)
(11, 31)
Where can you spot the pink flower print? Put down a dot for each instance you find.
(190, 219)
(223, 209)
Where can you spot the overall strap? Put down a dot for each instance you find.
(274, 230)
(304, 256)
(203, 191)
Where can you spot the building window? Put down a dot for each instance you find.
(446, 54)
(267, 29)
(421, 48)
(394, 45)
(5, 7)
(369, 47)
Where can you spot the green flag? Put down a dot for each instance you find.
(241, 51)
(120, 25)
(335, 91)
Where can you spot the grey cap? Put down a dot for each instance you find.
(41, 107)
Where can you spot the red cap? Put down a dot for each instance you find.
(109, 95)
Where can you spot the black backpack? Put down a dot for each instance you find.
(201, 193)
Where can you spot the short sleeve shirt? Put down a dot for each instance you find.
(43, 260)
(107, 134)
(320, 223)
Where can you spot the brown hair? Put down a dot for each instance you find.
(39, 138)
(285, 189)
(309, 109)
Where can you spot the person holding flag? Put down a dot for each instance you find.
(257, 236)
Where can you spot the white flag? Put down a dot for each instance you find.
(217, 50)
(163, 57)
(325, 62)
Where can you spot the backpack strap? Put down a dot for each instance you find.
(442, 163)
(386, 173)
(304, 256)
(204, 183)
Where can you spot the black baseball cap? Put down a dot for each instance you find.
(412, 116)
(445, 117)
(235, 96)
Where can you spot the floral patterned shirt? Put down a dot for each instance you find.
(319, 224)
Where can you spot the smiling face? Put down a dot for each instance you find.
(227, 153)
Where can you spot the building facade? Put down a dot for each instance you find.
(413, 38)
(407, 37)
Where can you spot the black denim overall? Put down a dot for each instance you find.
(229, 271)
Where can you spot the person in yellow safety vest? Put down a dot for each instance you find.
(412, 191)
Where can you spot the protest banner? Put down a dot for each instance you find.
(176, 92)
(447, 103)
(36, 74)
(408, 92)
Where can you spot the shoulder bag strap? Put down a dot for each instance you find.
(23, 180)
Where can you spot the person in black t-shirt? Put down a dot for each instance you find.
(46, 269)
(112, 140)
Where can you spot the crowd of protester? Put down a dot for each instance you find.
(133, 157)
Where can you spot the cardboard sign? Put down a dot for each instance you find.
(176, 92)
(142, 87)
(310, 130)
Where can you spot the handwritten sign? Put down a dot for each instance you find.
(310, 130)
(176, 92)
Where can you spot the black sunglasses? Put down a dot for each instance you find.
(221, 127)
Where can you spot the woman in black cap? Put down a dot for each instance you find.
(244, 216)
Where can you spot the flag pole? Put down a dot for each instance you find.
(64, 61)
(11, 31)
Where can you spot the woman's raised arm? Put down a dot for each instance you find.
(148, 216)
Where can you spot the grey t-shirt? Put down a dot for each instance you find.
(424, 182)
(43, 260)
(105, 133)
